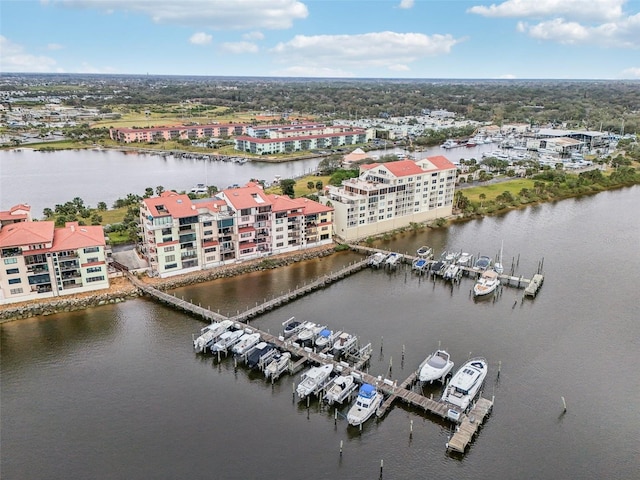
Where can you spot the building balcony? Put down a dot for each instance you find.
(11, 252)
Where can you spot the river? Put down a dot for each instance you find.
(117, 391)
(44, 179)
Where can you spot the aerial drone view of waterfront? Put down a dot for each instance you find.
(120, 392)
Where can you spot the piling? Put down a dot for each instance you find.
(564, 405)
(341, 447)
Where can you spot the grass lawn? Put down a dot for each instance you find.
(300, 189)
(493, 190)
(109, 217)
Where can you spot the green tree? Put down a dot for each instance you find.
(287, 186)
(48, 213)
(310, 185)
(148, 192)
(159, 190)
(102, 206)
(319, 185)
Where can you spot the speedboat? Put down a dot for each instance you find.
(313, 380)
(393, 259)
(309, 332)
(420, 264)
(482, 263)
(278, 364)
(486, 284)
(464, 260)
(227, 340)
(437, 268)
(465, 384)
(368, 401)
(209, 334)
(435, 367)
(452, 272)
(340, 388)
(246, 342)
(425, 252)
(260, 354)
(450, 144)
(291, 326)
(344, 342)
(450, 257)
(200, 189)
(377, 259)
(323, 338)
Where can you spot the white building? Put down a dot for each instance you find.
(392, 195)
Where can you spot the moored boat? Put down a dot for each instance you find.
(278, 364)
(323, 338)
(309, 332)
(393, 260)
(435, 367)
(377, 259)
(246, 342)
(368, 401)
(340, 388)
(486, 284)
(209, 334)
(482, 263)
(313, 380)
(227, 340)
(449, 143)
(344, 343)
(290, 327)
(425, 252)
(260, 354)
(465, 386)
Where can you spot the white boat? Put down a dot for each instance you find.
(324, 338)
(393, 260)
(344, 343)
(498, 267)
(452, 272)
(246, 342)
(313, 380)
(425, 252)
(290, 327)
(200, 189)
(377, 259)
(420, 264)
(450, 257)
(450, 144)
(486, 284)
(368, 401)
(465, 384)
(309, 332)
(278, 364)
(435, 367)
(227, 340)
(464, 260)
(339, 389)
(209, 334)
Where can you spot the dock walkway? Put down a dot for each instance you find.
(469, 426)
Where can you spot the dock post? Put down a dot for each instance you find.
(341, 447)
(218, 356)
(564, 404)
(381, 466)
(307, 402)
(411, 429)
(381, 343)
(499, 367)
(335, 422)
(293, 388)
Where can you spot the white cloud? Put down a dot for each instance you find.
(240, 47)
(253, 36)
(200, 38)
(575, 9)
(406, 3)
(312, 71)
(507, 76)
(624, 33)
(379, 49)
(398, 67)
(54, 46)
(214, 14)
(14, 58)
(633, 72)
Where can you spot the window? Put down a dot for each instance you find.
(207, 224)
(13, 281)
(92, 259)
(11, 271)
(9, 261)
(169, 249)
(15, 291)
(279, 244)
(170, 258)
(95, 279)
(91, 249)
(210, 250)
(170, 266)
(94, 269)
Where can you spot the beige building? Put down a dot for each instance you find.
(180, 235)
(41, 261)
(392, 195)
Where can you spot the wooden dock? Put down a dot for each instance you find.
(469, 426)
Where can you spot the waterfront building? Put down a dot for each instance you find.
(41, 261)
(387, 196)
(177, 132)
(181, 235)
(17, 213)
(272, 139)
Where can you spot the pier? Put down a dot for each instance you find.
(353, 362)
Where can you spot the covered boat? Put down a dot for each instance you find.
(435, 367)
(368, 401)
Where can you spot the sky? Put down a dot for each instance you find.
(528, 39)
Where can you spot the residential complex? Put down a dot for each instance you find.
(386, 196)
(271, 139)
(177, 132)
(41, 261)
(181, 235)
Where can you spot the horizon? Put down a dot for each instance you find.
(319, 39)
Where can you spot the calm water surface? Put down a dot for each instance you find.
(117, 392)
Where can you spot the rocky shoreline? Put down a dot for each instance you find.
(121, 289)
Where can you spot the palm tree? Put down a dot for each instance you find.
(482, 197)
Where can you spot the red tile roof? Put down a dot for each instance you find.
(310, 207)
(282, 203)
(441, 162)
(26, 233)
(403, 168)
(74, 236)
(175, 205)
(246, 197)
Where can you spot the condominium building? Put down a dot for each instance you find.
(387, 196)
(180, 235)
(40, 261)
(177, 132)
